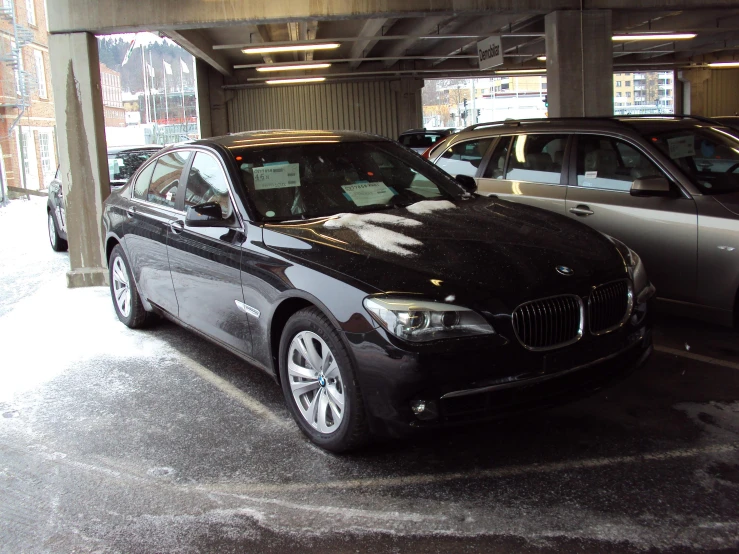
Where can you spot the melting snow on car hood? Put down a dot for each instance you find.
(367, 226)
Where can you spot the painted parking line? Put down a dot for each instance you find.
(237, 394)
(510, 471)
(697, 357)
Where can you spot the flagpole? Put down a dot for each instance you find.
(146, 88)
(153, 96)
(166, 102)
(182, 91)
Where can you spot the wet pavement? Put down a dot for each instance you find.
(113, 440)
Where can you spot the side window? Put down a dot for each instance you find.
(611, 164)
(166, 178)
(464, 158)
(496, 166)
(141, 188)
(207, 183)
(537, 158)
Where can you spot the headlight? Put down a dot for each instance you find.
(421, 321)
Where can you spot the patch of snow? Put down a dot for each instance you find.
(429, 206)
(368, 229)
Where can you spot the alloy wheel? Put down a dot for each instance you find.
(315, 382)
(52, 231)
(121, 287)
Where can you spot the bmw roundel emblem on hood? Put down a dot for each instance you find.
(564, 270)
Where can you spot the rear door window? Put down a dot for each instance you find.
(166, 178)
(463, 158)
(537, 158)
(611, 164)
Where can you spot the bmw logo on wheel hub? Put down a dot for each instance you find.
(321, 380)
(564, 270)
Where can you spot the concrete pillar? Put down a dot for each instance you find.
(212, 100)
(579, 63)
(695, 83)
(410, 105)
(78, 106)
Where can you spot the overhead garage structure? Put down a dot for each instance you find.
(368, 61)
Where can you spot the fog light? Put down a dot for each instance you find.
(424, 409)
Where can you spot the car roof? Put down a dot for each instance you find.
(118, 149)
(274, 137)
(641, 124)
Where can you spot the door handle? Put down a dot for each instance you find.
(130, 212)
(177, 227)
(582, 210)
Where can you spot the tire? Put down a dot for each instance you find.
(313, 394)
(58, 244)
(126, 300)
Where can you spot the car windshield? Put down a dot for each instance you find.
(315, 180)
(709, 156)
(121, 165)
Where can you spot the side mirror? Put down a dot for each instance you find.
(651, 186)
(209, 214)
(467, 182)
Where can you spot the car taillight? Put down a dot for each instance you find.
(426, 152)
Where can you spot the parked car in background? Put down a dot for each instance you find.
(420, 140)
(378, 291)
(666, 186)
(123, 161)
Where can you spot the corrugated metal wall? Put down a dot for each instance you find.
(722, 92)
(369, 106)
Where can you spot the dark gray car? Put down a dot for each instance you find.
(666, 186)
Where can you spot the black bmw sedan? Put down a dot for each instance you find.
(376, 289)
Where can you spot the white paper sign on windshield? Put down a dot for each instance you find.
(366, 194)
(681, 147)
(277, 176)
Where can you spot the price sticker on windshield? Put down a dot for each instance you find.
(367, 194)
(681, 147)
(277, 176)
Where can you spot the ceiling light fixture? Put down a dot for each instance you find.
(723, 64)
(541, 58)
(663, 36)
(295, 81)
(291, 48)
(293, 67)
(520, 71)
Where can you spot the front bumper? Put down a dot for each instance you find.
(471, 381)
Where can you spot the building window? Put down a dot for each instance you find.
(628, 95)
(618, 95)
(40, 74)
(31, 11)
(43, 141)
(618, 83)
(628, 83)
(25, 136)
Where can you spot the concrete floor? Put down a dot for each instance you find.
(114, 440)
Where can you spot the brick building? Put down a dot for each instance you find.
(110, 84)
(28, 142)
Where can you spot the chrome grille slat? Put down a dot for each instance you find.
(609, 306)
(549, 322)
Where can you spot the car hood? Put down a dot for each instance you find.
(481, 247)
(730, 201)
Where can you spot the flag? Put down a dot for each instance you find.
(151, 70)
(184, 67)
(129, 51)
(167, 68)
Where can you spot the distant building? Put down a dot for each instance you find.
(27, 123)
(110, 84)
